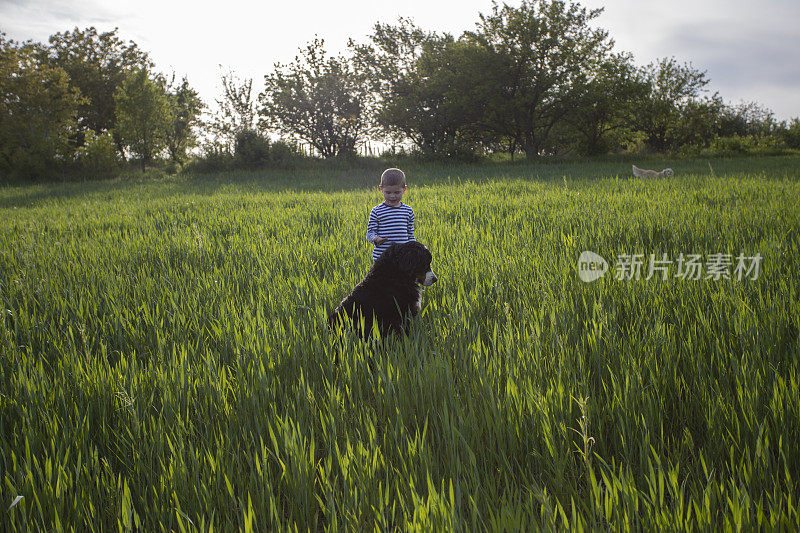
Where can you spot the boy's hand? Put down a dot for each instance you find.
(379, 240)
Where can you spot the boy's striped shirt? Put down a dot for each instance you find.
(394, 223)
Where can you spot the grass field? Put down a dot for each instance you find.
(165, 363)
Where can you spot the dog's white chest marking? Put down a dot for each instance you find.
(419, 299)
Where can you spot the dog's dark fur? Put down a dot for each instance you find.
(390, 294)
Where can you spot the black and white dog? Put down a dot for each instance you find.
(391, 292)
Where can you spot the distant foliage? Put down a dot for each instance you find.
(185, 107)
(96, 64)
(213, 158)
(234, 113)
(98, 154)
(603, 120)
(545, 50)
(672, 87)
(746, 144)
(251, 149)
(790, 133)
(538, 79)
(319, 99)
(283, 154)
(38, 109)
(143, 115)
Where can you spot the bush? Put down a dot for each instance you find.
(98, 154)
(746, 144)
(768, 145)
(172, 167)
(733, 145)
(790, 133)
(282, 153)
(251, 149)
(215, 158)
(636, 143)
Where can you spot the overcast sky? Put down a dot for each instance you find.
(748, 48)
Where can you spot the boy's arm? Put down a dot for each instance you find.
(372, 227)
(411, 226)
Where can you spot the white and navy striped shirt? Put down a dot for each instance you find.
(394, 223)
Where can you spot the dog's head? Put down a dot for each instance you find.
(413, 259)
(667, 172)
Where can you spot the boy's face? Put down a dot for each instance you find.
(392, 194)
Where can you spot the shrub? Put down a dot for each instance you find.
(172, 167)
(636, 143)
(215, 158)
(746, 144)
(790, 133)
(98, 153)
(733, 145)
(251, 149)
(768, 145)
(283, 153)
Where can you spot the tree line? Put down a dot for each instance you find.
(538, 79)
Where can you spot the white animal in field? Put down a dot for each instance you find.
(642, 173)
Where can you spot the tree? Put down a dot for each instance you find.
(430, 89)
(789, 131)
(603, 113)
(746, 118)
(388, 64)
(185, 108)
(671, 87)
(440, 103)
(318, 99)
(393, 53)
(251, 149)
(143, 115)
(37, 111)
(696, 124)
(545, 45)
(97, 64)
(236, 112)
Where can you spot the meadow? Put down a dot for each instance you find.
(166, 365)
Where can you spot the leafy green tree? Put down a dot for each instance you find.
(321, 100)
(671, 87)
(37, 111)
(393, 53)
(697, 123)
(251, 149)
(389, 64)
(97, 64)
(438, 105)
(143, 115)
(235, 113)
(546, 46)
(746, 118)
(185, 108)
(430, 89)
(98, 155)
(603, 116)
(790, 133)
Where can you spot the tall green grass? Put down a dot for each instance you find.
(165, 362)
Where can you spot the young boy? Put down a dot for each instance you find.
(392, 220)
